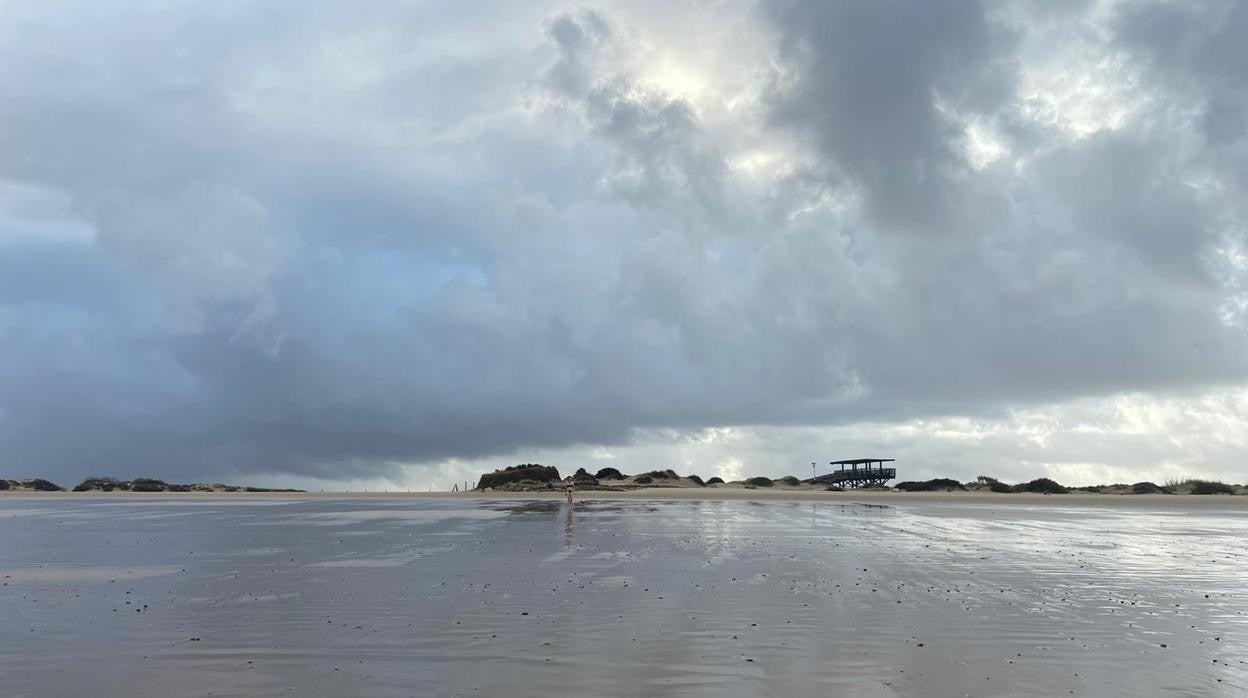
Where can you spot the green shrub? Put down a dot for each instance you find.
(609, 474)
(1000, 487)
(527, 472)
(715, 481)
(147, 484)
(42, 485)
(985, 480)
(697, 480)
(1210, 487)
(106, 484)
(1043, 485)
(1148, 488)
(760, 482)
(940, 483)
(582, 478)
(790, 481)
(643, 480)
(662, 475)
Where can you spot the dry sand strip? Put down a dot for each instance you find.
(712, 493)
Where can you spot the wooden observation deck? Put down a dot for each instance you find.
(859, 472)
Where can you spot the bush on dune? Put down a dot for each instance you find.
(42, 485)
(643, 480)
(1148, 488)
(609, 474)
(526, 472)
(1210, 487)
(715, 481)
(105, 484)
(697, 480)
(940, 483)
(790, 481)
(147, 484)
(760, 482)
(1000, 488)
(4, 485)
(1042, 485)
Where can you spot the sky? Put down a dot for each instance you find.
(394, 245)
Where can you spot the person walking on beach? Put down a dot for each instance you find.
(569, 485)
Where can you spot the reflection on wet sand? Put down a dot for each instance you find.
(673, 598)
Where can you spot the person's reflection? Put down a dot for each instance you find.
(568, 528)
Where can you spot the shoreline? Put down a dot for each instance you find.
(1074, 499)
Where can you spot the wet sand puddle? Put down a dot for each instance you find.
(402, 598)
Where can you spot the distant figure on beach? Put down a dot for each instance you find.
(569, 486)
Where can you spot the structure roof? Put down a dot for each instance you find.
(860, 461)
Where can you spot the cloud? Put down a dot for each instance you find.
(292, 241)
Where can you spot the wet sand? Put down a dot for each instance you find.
(862, 595)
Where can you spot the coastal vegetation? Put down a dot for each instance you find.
(147, 484)
(937, 484)
(538, 477)
(37, 484)
(518, 474)
(1043, 485)
(1208, 487)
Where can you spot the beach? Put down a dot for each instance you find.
(652, 592)
(712, 493)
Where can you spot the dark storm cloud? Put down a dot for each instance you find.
(324, 243)
(874, 83)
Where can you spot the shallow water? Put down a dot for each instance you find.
(248, 597)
